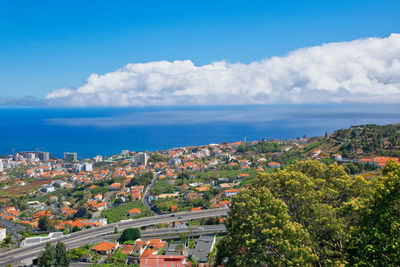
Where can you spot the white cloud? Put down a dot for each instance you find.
(366, 71)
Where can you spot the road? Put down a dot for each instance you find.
(12, 228)
(15, 256)
(145, 199)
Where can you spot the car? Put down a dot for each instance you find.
(179, 217)
(67, 235)
(201, 228)
(173, 215)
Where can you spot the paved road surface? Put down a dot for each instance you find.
(145, 199)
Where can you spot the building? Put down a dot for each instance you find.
(163, 260)
(204, 245)
(337, 157)
(141, 158)
(88, 167)
(2, 234)
(98, 158)
(60, 183)
(105, 248)
(68, 156)
(133, 212)
(274, 164)
(44, 156)
(231, 192)
(125, 153)
(47, 188)
(174, 161)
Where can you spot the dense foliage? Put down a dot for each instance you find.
(314, 214)
(130, 234)
(54, 256)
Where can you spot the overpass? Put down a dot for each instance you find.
(76, 239)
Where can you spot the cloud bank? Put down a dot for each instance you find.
(363, 71)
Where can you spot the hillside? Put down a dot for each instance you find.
(359, 141)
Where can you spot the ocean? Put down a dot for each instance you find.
(107, 131)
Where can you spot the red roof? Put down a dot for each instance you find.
(163, 260)
(105, 246)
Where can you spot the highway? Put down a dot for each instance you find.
(16, 255)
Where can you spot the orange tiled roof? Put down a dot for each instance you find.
(105, 246)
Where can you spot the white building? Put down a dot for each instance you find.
(141, 158)
(2, 234)
(1, 166)
(125, 153)
(98, 158)
(88, 166)
(203, 153)
(48, 188)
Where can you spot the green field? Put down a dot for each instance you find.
(118, 213)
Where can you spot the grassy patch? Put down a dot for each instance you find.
(118, 213)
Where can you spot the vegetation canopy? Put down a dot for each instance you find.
(312, 214)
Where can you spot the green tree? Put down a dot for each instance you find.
(62, 256)
(130, 234)
(323, 199)
(47, 258)
(374, 240)
(260, 233)
(45, 224)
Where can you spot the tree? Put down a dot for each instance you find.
(54, 256)
(82, 213)
(374, 240)
(129, 234)
(45, 224)
(47, 258)
(180, 248)
(260, 233)
(62, 256)
(322, 199)
(6, 241)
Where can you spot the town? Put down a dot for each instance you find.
(44, 198)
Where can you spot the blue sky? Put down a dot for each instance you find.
(46, 45)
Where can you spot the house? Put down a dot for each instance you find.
(139, 247)
(337, 157)
(115, 186)
(47, 188)
(133, 212)
(231, 192)
(60, 183)
(105, 248)
(53, 198)
(274, 164)
(163, 260)
(126, 249)
(194, 195)
(224, 203)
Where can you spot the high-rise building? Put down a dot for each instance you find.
(68, 156)
(141, 158)
(44, 156)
